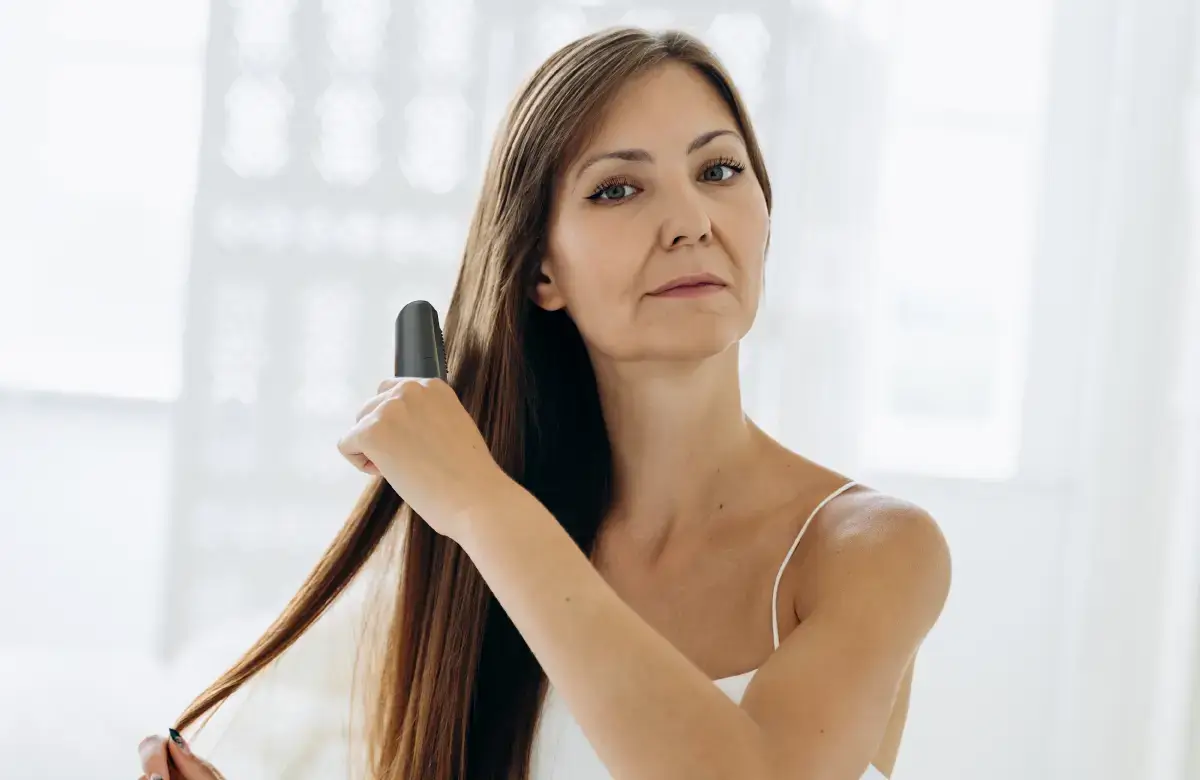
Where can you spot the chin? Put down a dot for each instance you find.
(694, 340)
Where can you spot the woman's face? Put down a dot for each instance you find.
(664, 190)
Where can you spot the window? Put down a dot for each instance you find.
(957, 205)
(101, 130)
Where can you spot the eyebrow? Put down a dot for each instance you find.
(641, 155)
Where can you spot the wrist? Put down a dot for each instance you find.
(493, 506)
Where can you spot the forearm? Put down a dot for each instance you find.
(646, 709)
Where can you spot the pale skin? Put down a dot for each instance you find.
(677, 593)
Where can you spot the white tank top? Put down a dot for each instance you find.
(562, 752)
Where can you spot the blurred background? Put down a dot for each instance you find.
(984, 297)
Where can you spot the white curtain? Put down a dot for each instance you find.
(982, 296)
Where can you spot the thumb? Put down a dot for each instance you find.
(186, 764)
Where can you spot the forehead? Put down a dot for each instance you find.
(664, 107)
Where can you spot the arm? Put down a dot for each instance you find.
(827, 695)
(815, 710)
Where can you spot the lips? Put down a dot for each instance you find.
(689, 287)
(691, 280)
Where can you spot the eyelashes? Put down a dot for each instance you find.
(727, 162)
(608, 184)
(612, 184)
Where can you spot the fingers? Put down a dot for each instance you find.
(153, 752)
(392, 381)
(187, 765)
(390, 387)
(348, 446)
(371, 406)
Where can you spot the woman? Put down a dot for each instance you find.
(679, 595)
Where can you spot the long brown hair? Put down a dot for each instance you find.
(456, 691)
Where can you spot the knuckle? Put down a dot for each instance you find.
(394, 405)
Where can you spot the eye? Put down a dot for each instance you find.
(612, 191)
(720, 170)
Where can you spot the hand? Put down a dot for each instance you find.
(416, 434)
(163, 757)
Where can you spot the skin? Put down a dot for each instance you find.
(666, 367)
(164, 758)
(706, 503)
(696, 477)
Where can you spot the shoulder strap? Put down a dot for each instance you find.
(788, 557)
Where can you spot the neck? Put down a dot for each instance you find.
(682, 445)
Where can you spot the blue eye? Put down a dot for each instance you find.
(617, 189)
(612, 191)
(718, 169)
(732, 167)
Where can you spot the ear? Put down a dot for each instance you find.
(546, 292)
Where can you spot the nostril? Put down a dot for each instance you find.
(703, 238)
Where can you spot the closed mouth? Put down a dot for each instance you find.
(687, 287)
(693, 281)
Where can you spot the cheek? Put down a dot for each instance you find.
(745, 235)
(597, 264)
(597, 271)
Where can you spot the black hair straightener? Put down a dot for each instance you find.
(420, 346)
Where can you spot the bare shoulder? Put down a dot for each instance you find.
(883, 562)
(868, 521)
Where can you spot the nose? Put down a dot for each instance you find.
(685, 221)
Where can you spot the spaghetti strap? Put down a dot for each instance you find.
(788, 557)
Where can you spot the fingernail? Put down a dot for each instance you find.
(178, 740)
(156, 777)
